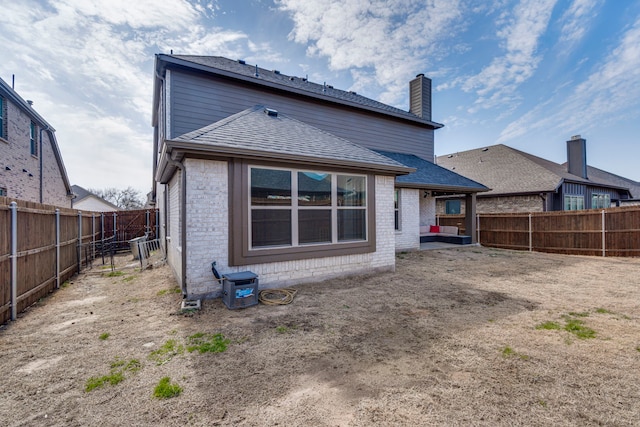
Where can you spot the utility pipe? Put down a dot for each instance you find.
(183, 216)
(13, 206)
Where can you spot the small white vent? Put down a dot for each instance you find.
(270, 112)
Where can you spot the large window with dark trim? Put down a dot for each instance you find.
(292, 208)
(33, 139)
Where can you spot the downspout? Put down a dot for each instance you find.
(41, 155)
(183, 224)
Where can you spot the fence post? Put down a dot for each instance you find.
(114, 226)
(530, 235)
(14, 260)
(478, 228)
(102, 236)
(79, 251)
(147, 227)
(93, 237)
(57, 248)
(604, 240)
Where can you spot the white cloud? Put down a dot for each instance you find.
(498, 82)
(387, 42)
(575, 20)
(609, 95)
(88, 66)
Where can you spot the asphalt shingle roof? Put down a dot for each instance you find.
(430, 175)
(299, 84)
(256, 133)
(509, 171)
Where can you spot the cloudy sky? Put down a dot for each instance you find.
(525, 73)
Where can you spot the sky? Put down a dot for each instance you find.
(526, 73)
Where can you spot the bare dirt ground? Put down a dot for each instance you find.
(450, 338)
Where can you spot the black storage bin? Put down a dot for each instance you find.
(240, 290)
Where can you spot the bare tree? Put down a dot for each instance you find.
(126, 199)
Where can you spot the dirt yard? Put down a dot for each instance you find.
(469, 336)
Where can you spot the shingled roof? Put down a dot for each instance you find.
(261, 133)
(509, 171)
(431, 176)
(293, 84)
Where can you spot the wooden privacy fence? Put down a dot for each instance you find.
(42, 246)
(127, 225)
(607, 232)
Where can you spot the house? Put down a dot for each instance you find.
(85, 200)
(292, 180)
(31, 166)
(522, 182)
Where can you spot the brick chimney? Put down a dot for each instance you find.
(577, 156)
(420, 96)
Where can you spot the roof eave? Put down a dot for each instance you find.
(177, 150)
(439, 187)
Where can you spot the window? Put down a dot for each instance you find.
(296, 208)
(283, 213)
(573, 203)
(34, 139)
(396, 208)
(600, 201)
(2, 133)
(452, 207)
(3, 192)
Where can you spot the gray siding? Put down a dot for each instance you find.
(198, 100)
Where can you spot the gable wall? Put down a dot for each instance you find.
(196, 100)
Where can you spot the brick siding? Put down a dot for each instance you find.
(207, 233)
(15, 152)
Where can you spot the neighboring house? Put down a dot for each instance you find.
(292, 180)
(31, 166)
(87, 201)
(521, 182)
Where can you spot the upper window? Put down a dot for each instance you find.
(34, 139)
(452, 207)
(573, 203)
(600, 201)
(292, 208)
(3, 192)
(2, 133)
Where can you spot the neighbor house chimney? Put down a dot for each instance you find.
(577, 156)
(420, 96)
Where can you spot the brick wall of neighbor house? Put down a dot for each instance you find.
(208, 222)
(505, 204)
(54, 191)
(407, 237)
(15, 153)
(427, 210)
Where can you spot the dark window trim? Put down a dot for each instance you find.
(33, 139)
(239, 253)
